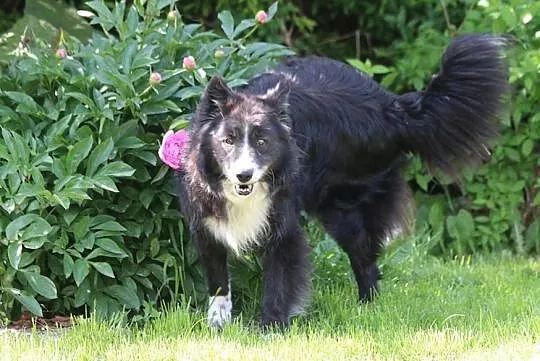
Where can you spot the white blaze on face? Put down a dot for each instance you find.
(245, 161)
(219, 310)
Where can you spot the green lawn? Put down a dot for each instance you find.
(480, 309)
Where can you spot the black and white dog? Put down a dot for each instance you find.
(317, 135)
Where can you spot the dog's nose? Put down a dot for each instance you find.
(245, 175)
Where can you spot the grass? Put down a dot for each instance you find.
(467, 309)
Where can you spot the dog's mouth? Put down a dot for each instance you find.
(243, 189)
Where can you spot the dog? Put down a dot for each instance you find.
(316, 135)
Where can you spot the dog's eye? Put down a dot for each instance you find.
(229, 141)
(261, 142)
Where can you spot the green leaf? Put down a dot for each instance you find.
(103, 268)
(105, 16)
(132, 20)
(159, 176)
(227, 23)
(527, 147)
(509, 16)
(536, 201)
(436, 216)
(148, 157)
(272, 10)
(26, 103)
(68, 265)
(130, 143)
(14, 254)
(461, 227)
(109, 245)
(125, 295)
(154, 247)
(99, 156)
(244, 24)
(29, 302)
(379, 69)
(77, 154)
(41, 284)
(116, 169)
(105, 182)
(110, 226)
(81, 227)
(80, 270)
(146, 197)
(34, 243)
(38, 228)
(82, 98)
(15, 226)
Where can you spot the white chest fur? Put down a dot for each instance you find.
(247, 219)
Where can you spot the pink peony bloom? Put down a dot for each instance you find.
(189, 62)
(61, 53)
(261, 17)
(155, 78)
(173, 148)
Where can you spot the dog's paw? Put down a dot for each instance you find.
(272, 324)
(219, 311)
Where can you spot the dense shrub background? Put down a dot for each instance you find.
(84, 126)
(88, 216)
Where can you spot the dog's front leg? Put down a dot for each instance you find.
(213, 257)
(286, 278)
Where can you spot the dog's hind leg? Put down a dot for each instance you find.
(348, 228)
(363, 229)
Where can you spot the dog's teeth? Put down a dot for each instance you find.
(243, 189)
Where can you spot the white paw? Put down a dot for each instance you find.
(219, 310)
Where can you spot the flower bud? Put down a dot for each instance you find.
(155, 78)
(61, 53)
(189, 63)
(171, 16)
(219, 53)
(261, 17)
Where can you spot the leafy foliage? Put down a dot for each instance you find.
(88, 218)
(496, 207)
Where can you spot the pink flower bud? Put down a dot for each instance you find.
(155, 78)
(189, 63)
(61, 53)
(173, 148)
(219, 53)
(261, 17)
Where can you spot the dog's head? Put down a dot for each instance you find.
(246, 136)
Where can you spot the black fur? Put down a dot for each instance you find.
(342, 160)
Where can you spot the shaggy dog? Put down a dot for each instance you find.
(317, 135)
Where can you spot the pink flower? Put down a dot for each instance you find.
(173, 148)
(261, 17)
(61, 53)
(189, 63)
(155, 78)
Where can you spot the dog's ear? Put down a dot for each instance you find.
(277, 97)
(217, 99)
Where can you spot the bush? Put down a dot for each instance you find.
(88, 218)
(497, 206)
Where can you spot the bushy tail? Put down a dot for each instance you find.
(452, 122)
